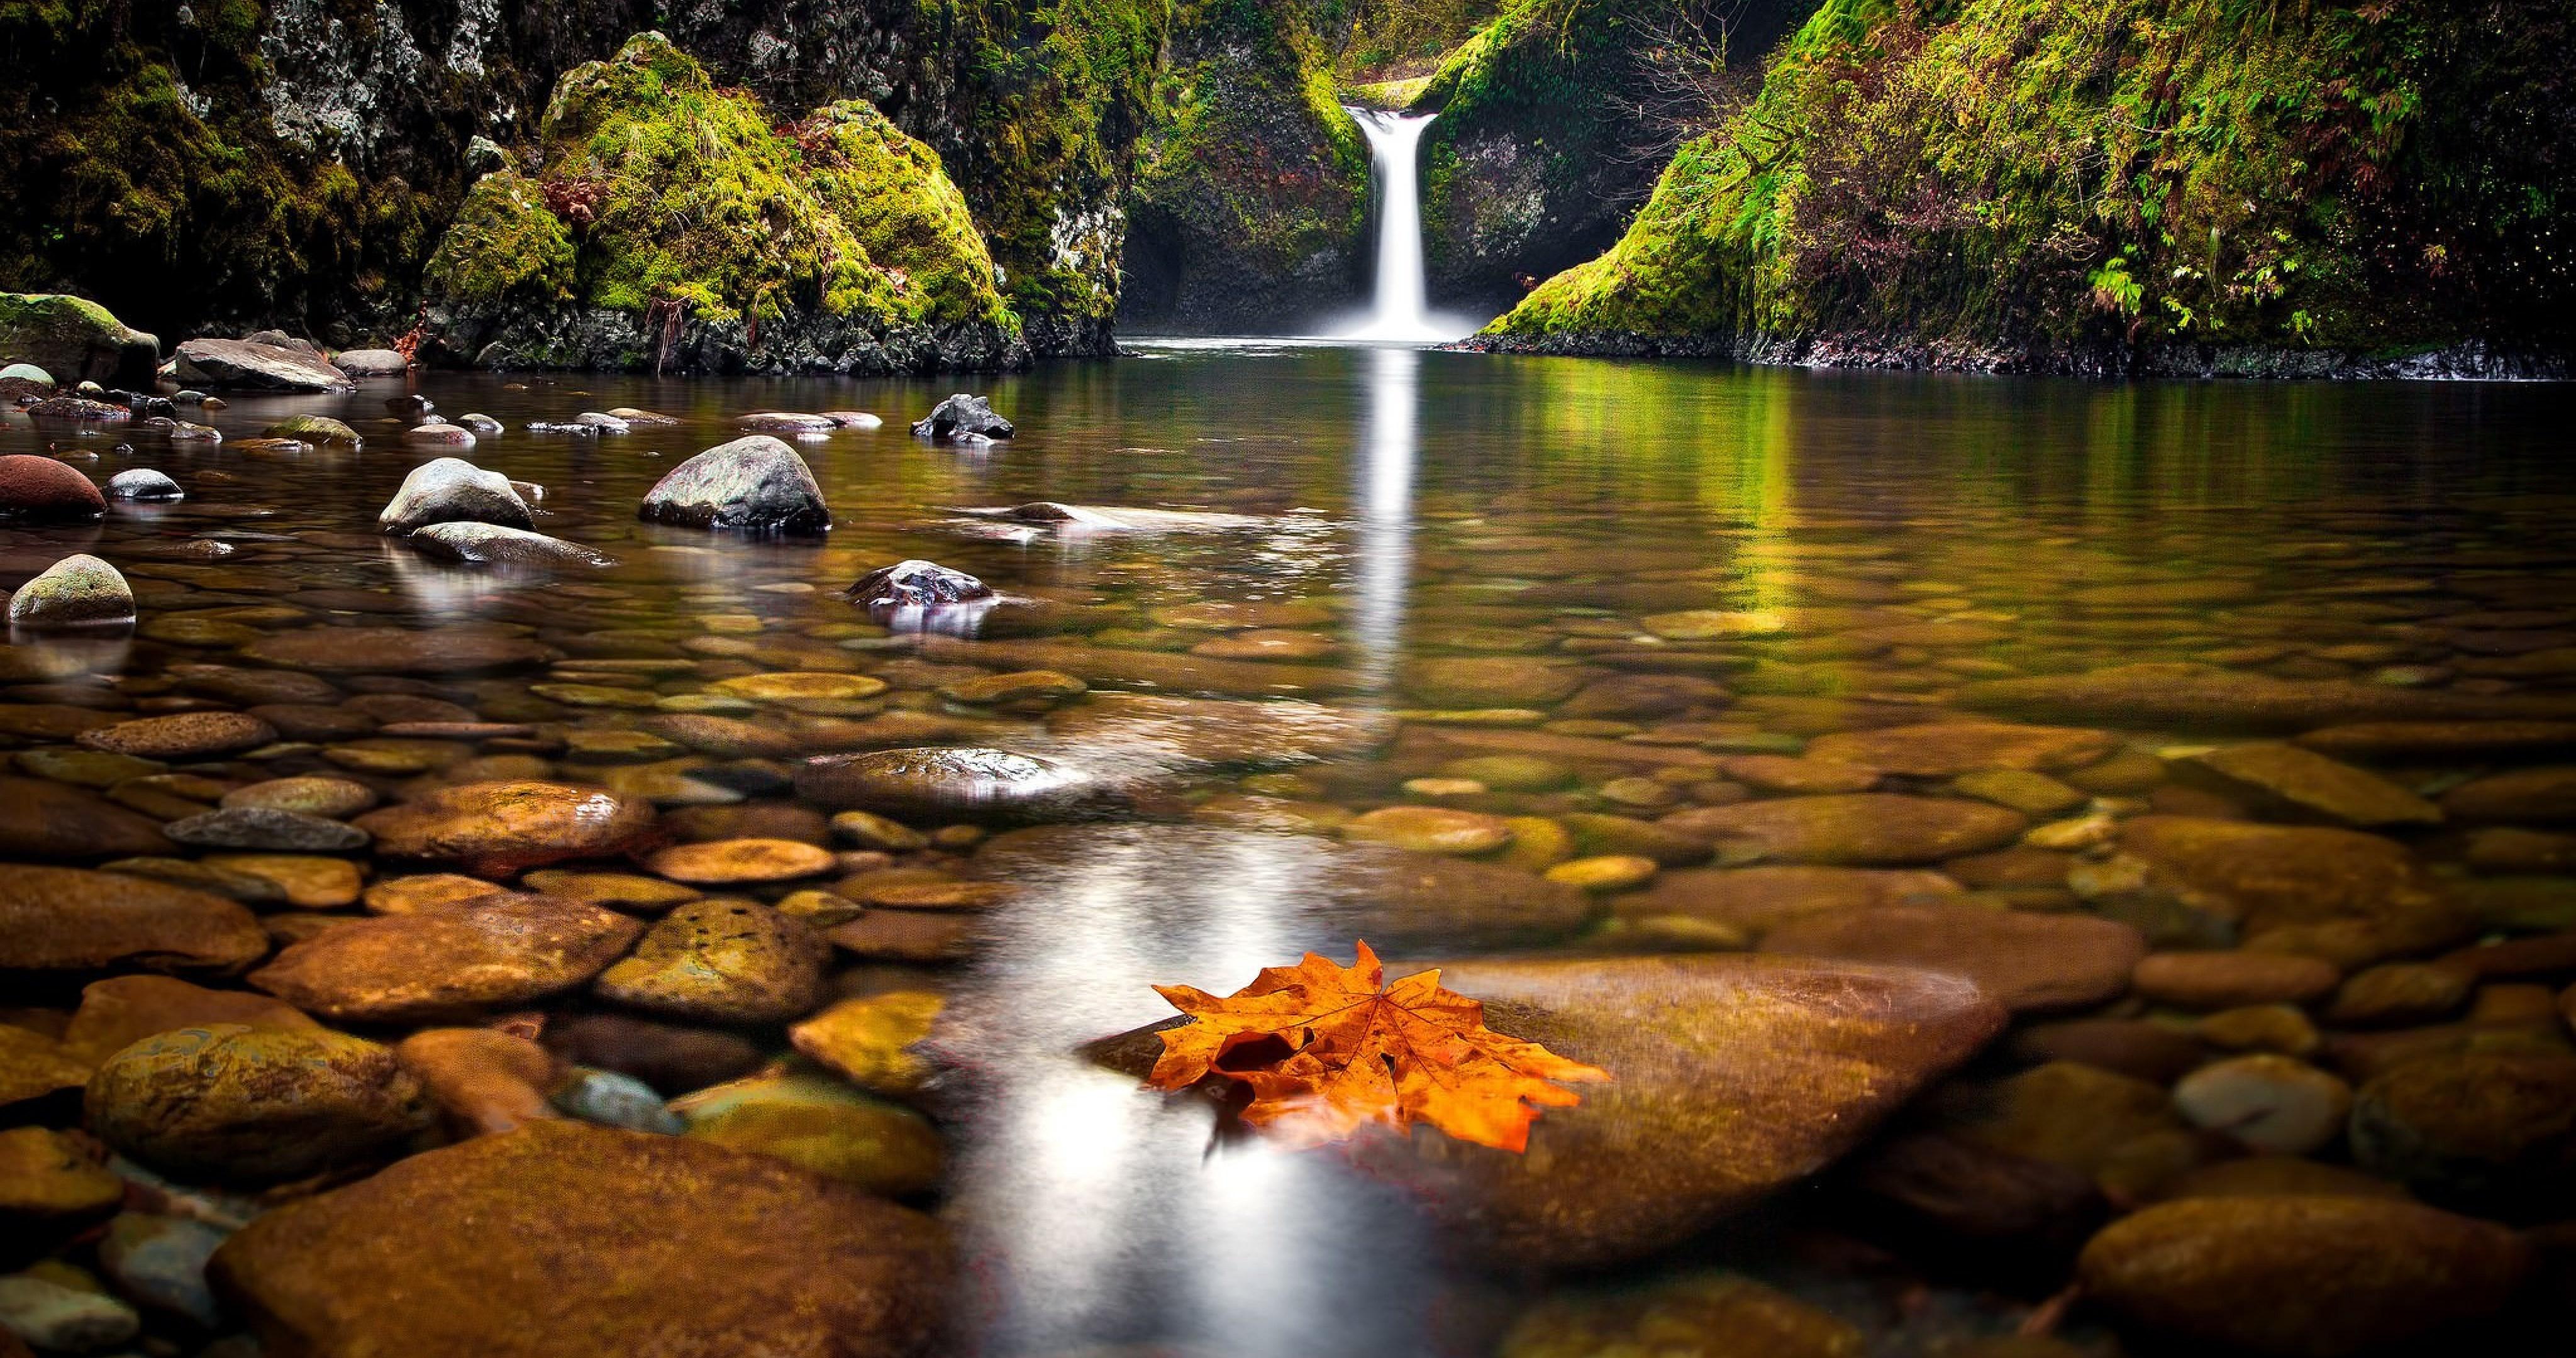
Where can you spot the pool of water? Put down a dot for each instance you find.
(1797, 555)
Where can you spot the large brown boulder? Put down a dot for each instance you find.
(67, 919)
(245, 1104)
(449, 961)
(562, 1240)
(498, 828)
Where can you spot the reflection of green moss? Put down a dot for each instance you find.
(504, 247)
(2021, 175)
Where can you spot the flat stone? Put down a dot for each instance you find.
(210, 363)
(1491, 681)
(310, 882)
(2401, 740)
(2543, 796)
(944, 784)
(732, 861)
(493, 829)
(1430, 829)
(2032, 794)
(420, 891)
(908, 936)
(1126, 665)
(1750, 901)
(123, 1010)
(2270, 878)
(396, 650)
(66, 919)
(590, 1242)
(449, 961)
(47, 1179)
(1786, 775)
(1948, 749)
(182, 736)
(2316, 1276)
(1861, 828)
(821, 1125)
(2025, 961)
(2490, 1131)
(1147, 733)
(40, 819)
(870, 1041)
(2162, 696)
(722, 962)
(2226, 980)
(2313, 784)
(670, 1057)
(795, 687)
(1337, 892)
(309, 795)
(264, 828)
(484, 1080)
(240, 1104)
(617, 890)
(485, 544)
(34, 1066)
(143, 483)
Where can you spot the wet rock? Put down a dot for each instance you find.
(1948, 749)
(486, 1081)
(948, 783)
(493, 829)
(183, 736)
(727, 862)
(589, 1241)
(77, 591)
(2199, 697)
(266, 829)
(1861, 828)
(915, 584)
(2032, 794)
(668, 1056)
(48, 1180)
(1597, 833)
(371, 363)
(59, 336)
(123, 1010)
(60, 919)
(2301, 1277)
(2024, 961)
(2543, 796)
(1643, 695)
(613, 1100)
(2368, 895)
(722, 962)
(41, 490)
(2138, 1048)
(2487, 1130)
(962, 419)
(2281, 1176)
(59, 1318)
(481, 425)
(453, 490)
(1430, 829)
(484, 544)
(35, 1067)
(240, 1104)
(78, 410)
(822, 1126)
(221, 363)
(2271, 1103)
(309, 795)
(2405, 740)
(395, 650)
(160, 1261)
(1952, 1193)
(871, 1041)
(1704, 1313)
(1490, 681)
(2075, 1115)
(2225, 980)
(450, 961)
(1033, 688)
(1785, 775)
(923, 936)
(2400, 993)
(1388, 896)
(755, 484)
(1750, 901)
(143, 483)
(2311, 784)
(314, 429)
(1603, 874)
(1149, 732)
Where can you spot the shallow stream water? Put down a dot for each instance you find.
(1885, 542)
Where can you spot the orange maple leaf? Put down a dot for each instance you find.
(1327, 1049)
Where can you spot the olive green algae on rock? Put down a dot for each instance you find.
(562, 1240)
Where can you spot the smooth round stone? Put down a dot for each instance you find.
(1638, 794)
(484, 1080)
(2024, 961)
(496, 828)
(251, 827)
(799, 687)
(872, 831)
(597, 695)
(2488, 1130)
(395, 650)
(122, 1010)
(1020, 686)
(184, 735)
(143, 483)
(450, 490)
(2400, 993)
(610, 1099)
(310, 883)
(962, 782)
(2226, 980)
(1710, 624)
(1267, 643)
(1224, 616)
(1490, 681)
(754, 484)
(590, 1241)
(492, 544)
(77, 591)
(423, 891)
(40, 490)
(160, 1261)
(47, 1179)
(1436, 788)
(871, 1041)
(822, 1126)
(65, 919)
(2032, 794)
(1859, 829)
(722, 962)
(447, 962)
(942, 895)
(820, 909)
(1510, 772)
(616, 890)
(1611, 872)
(2342, 894)
(2315, 786)
(2271, 1103)
(2323, 1275)
(1948, 749)
(241, 1104)
(1430, 829)
(197, 875)
(88, 768)
(1786, 775)
(728, 862)
(312, 429)
(310, 795)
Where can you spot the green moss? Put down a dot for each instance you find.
(914, 224)
(504, 248)
(2043, 175)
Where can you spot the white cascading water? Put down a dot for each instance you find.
(1402, 309)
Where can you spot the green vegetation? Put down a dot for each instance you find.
(505, 249)
(1388, 39)
(2027, 178)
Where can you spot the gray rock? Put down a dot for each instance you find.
(481, 424)
(161, 1262)
(143, 483)
(439, 435)
(485, 544)
(915, 584)
(453, 490)
(962, 415)
(754, 484)
(77, 591)
(615, 1100)
(786, 422)
(606, 424)
(266, 829)
(61, 1319)
(371, 363)
(258, 365)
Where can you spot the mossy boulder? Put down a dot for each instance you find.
(1251, 201)
(73, 340)
(673, 224)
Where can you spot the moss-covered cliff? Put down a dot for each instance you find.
(2119, 185)
(1251, 200)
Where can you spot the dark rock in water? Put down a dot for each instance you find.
(65, 919)
(145, 406)
(1337, 892)
(410, 407)
(962, 416)
(915, 584)
(2024, 961)
(668, 1056)
(252, 363)
(372, 363)
(485, 544)
(1152, 733)
(2492, 1132)
(396, 650)
(77, 591)
(952, 782)
(47, 820)
(266, 828)
(451, 490)
(1867, 829)
(590, 1242)
(2205, 698)
(78, 410)
(755, 484)
(2301, 1276)
(237, 1104)
(143, 483)
(40, 490)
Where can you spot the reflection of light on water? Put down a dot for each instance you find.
(1388, 448)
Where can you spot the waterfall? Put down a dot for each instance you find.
(1402, 310)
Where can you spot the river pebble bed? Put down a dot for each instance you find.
(2051, 869)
